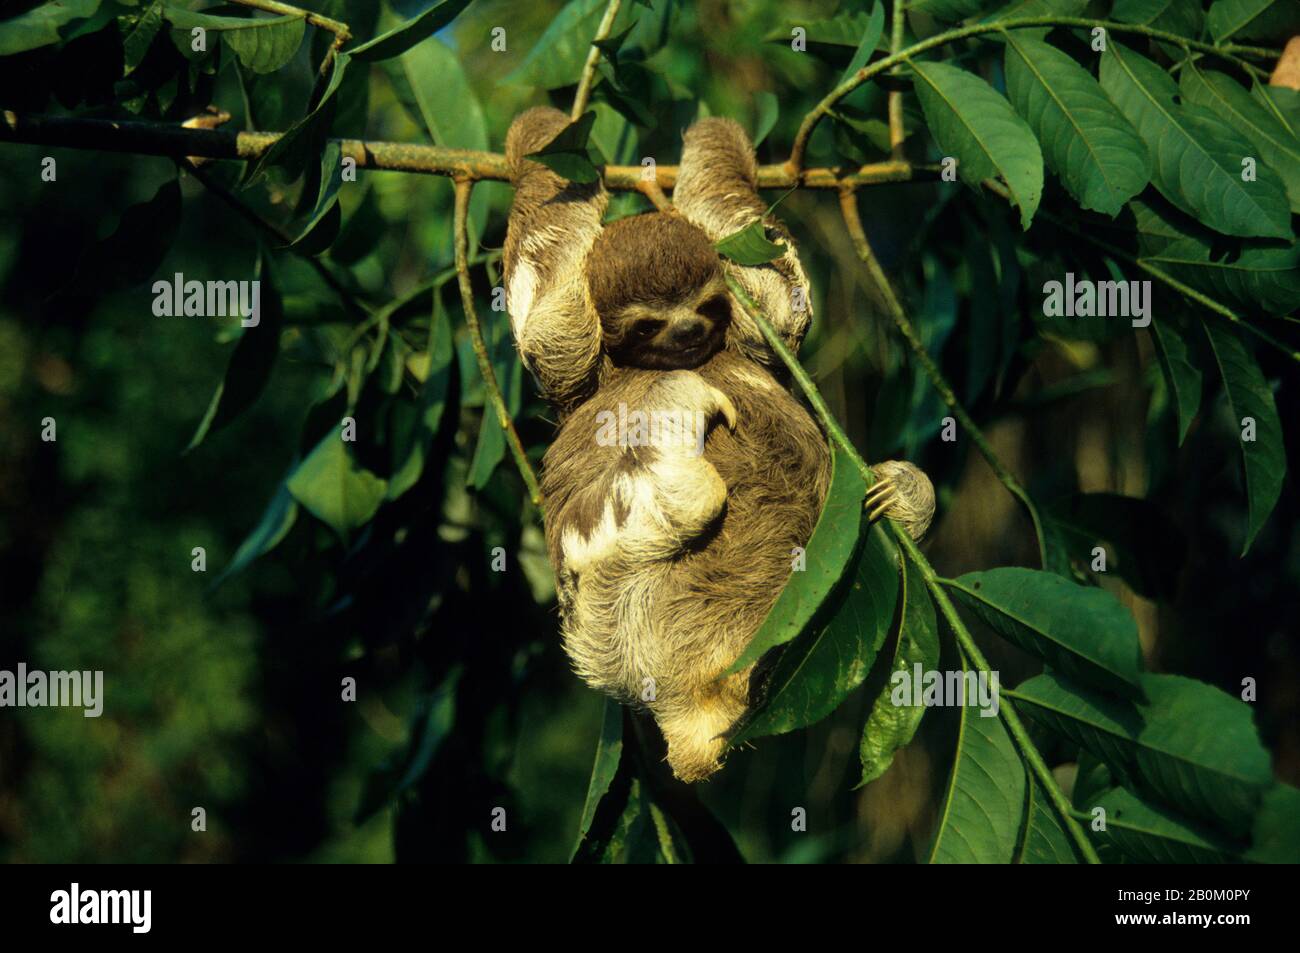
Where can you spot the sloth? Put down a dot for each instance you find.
(670, 544)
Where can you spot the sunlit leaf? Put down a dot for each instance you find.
(974, 124)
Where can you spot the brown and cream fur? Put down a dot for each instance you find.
(667, 559)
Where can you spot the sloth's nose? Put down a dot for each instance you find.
(689, 331)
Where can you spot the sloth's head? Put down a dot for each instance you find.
(657, 284)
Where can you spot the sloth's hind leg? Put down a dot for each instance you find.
(902, 492)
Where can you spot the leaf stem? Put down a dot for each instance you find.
(1006, 709)
(800, 146)
(583, 95)
(853, 222)
(463, 189)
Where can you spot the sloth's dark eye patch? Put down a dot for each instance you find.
(644, 330)
(716, 309)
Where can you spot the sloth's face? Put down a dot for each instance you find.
(666, 335)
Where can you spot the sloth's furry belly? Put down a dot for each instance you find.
(776, 467)
(682, 619)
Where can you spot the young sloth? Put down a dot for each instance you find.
(669, 548)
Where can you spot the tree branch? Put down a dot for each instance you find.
(172, 139)
(463, 189)
(853, 222)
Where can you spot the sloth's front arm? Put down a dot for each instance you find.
(553, 224)
(717, 190)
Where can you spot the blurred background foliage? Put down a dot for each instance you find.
(228, 697)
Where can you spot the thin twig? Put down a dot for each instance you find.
(1006, 711)
(853, 222)
(581, 97)
(172, 139)
(463, 189)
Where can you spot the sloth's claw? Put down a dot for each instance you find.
(901, 492)
(725, 407)
(879, 499)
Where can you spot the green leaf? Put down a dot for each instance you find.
(263, 44)
(831, 658)
(430, 82)
(844, 31)
(1253, 275)
(891, 726)
(1146, 548)
(1085, 632)
(1282, 103)
(251, 362)
(304, 141)
(1253, 19)
(984, 802)
(557, 58)
(1276, 837)
(609, 752)
(567, 154)
(867, 45)
(491, 447)
(1191, 745)
(1183, 17)
(1277, 145)
(1197, 155)
(334, 489)
(1249, 397)
(768, 109)
(749, 246)
(950, 10)
(828, 557)
(1099, 157)
(274, 526)
(137, 39)
(321, 227)
(137, 247)
(1045, 840)
(970, 121)
(1037, 8)
(40, 25)
(412, 447)
(410, 32)
(1182, 376)
(431, 723)
(1150, 833)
